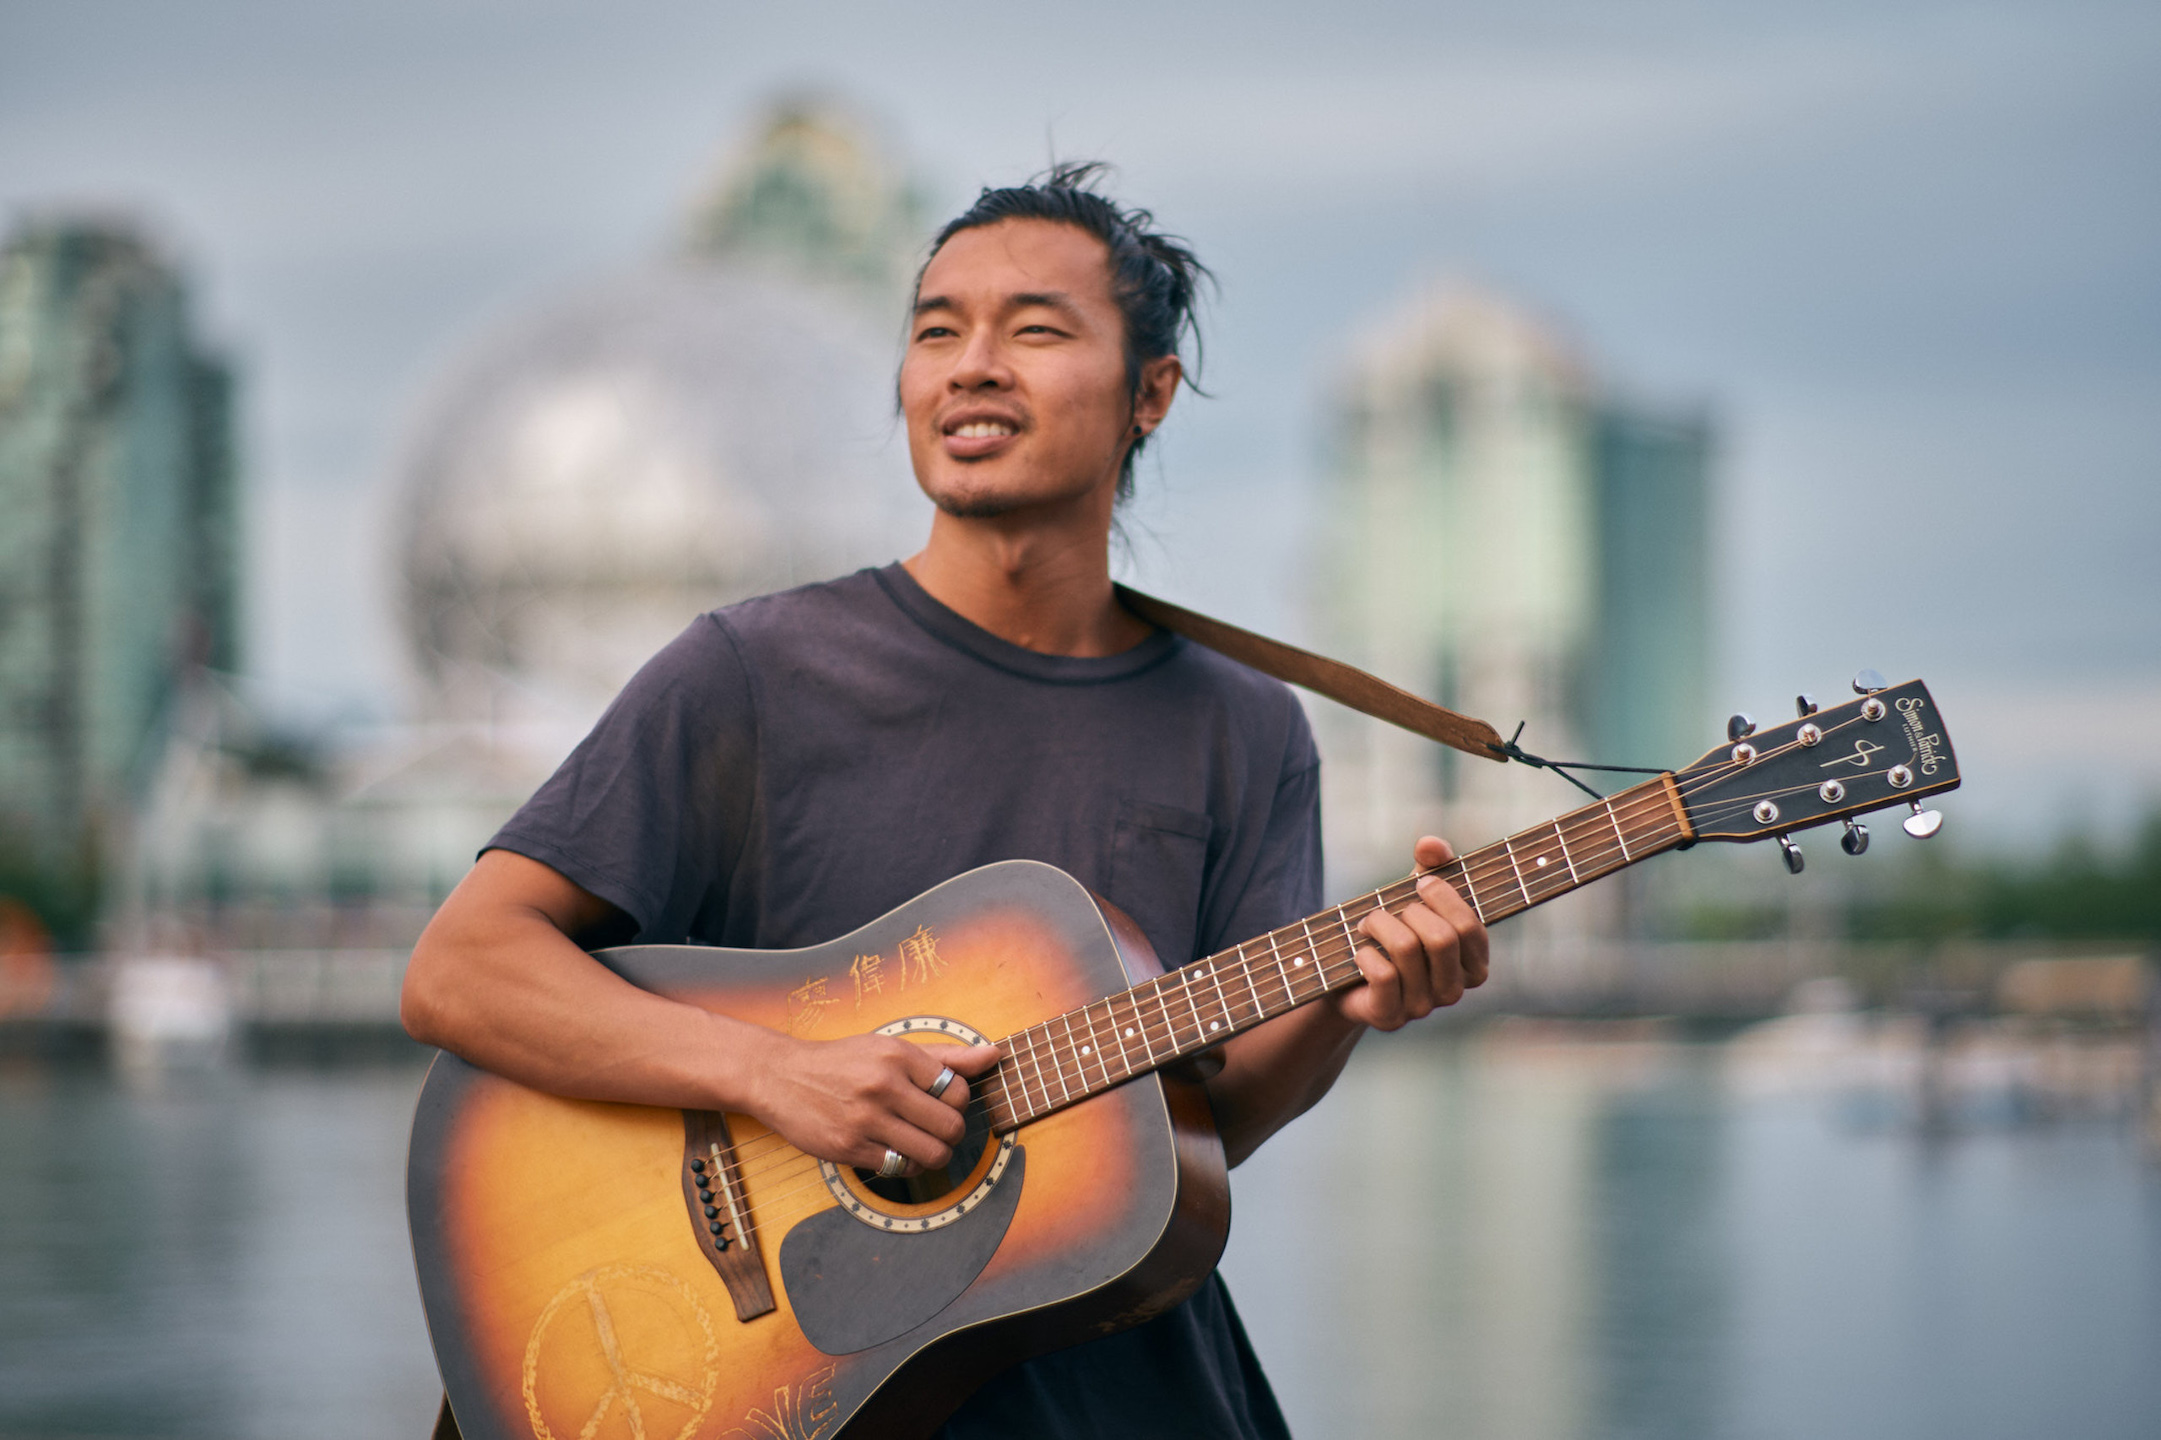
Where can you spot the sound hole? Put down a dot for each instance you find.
(937, 1184)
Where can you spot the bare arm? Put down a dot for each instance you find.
(1420, 960)
(498, 979)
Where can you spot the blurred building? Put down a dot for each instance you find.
(1513, 540)
(592, 476)
(717, 425)
(120, 545)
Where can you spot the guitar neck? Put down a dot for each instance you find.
(1084, 1052)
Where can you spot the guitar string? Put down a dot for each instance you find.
(1467, 867)
(1328, 956)
(1597, 860)
(1333, 964)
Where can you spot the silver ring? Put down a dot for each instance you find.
(945, 1078)
(895, 1162)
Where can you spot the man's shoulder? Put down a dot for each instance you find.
(819, 610)
(1234, 679)
(1242, 690)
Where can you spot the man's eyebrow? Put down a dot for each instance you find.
(1023, 300)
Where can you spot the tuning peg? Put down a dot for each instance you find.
(1794, 862)
(1804, 704)
(1740, 723)
(1855, 840)
(1922, 823)
(1868, 682)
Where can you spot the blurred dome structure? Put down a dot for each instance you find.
(717, 425)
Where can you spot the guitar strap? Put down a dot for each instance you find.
(1344, 684)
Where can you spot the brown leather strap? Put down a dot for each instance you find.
(1345, 684)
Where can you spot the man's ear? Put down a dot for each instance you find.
(1158, 387)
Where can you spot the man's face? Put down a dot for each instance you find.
(1014, 383)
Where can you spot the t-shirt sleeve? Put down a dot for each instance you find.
(650, 811)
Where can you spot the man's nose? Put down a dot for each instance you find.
(981, 364)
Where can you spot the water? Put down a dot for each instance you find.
(223, 1256)
(1540, 1240)
(1485, 1238)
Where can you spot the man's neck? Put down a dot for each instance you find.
(1045, 588)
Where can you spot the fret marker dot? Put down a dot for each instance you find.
(1215, 1024)
(1129, 1032)
(1299, 963)
(1084, 1049)
(1541, 862)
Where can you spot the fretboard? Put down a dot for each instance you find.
(1086, 1051)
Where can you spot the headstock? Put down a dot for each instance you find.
(1886, 748)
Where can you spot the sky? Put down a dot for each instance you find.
(1908, 257)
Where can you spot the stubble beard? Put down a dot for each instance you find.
(977, 507)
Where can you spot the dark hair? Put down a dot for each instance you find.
(1155, 278)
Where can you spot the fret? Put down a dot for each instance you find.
(1182, 990)
(1290, 998)
(1489, 908)
(1085, 1049)
(1470, 892)
(1095, 1044)
(1192, 1007)
(1313, 950)
(1349, 935)
(1509, 846)
(1615, 821)
(1019, 1076)
(1057, 1062)
(1562, 841)
(1253, 989)
(1540, 864)
(1140, 1024)
(999, 1070)
(1080, 1071)
(1163, 1009)
(1125, 1032)
(1035, 1057)
(1215, 975)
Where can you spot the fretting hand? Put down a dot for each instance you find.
(1421, 959)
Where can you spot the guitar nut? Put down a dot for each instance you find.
(1899, 776)
(1832, 791)
(1808, 734)
(1743, 753)
(1872, 709)
(1766, 812)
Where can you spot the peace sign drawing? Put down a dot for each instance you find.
(624, 1352)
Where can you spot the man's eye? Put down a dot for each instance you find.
(933, 332)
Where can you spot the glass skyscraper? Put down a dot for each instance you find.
(119, 540)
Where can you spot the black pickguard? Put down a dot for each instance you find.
(854, 1287)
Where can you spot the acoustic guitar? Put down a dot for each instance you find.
(600, 1270)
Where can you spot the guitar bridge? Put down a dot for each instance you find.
(720, 1212)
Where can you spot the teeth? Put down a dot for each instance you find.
(983, 429)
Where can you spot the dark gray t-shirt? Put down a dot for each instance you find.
(797, 765)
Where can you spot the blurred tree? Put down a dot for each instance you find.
(2078, 893)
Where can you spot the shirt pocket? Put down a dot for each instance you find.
(1159, 861)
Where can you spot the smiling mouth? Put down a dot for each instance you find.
(983, 430)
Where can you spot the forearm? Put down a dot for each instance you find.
(510, 992)
(1276, 1072)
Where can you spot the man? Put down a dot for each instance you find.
(796, 765)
